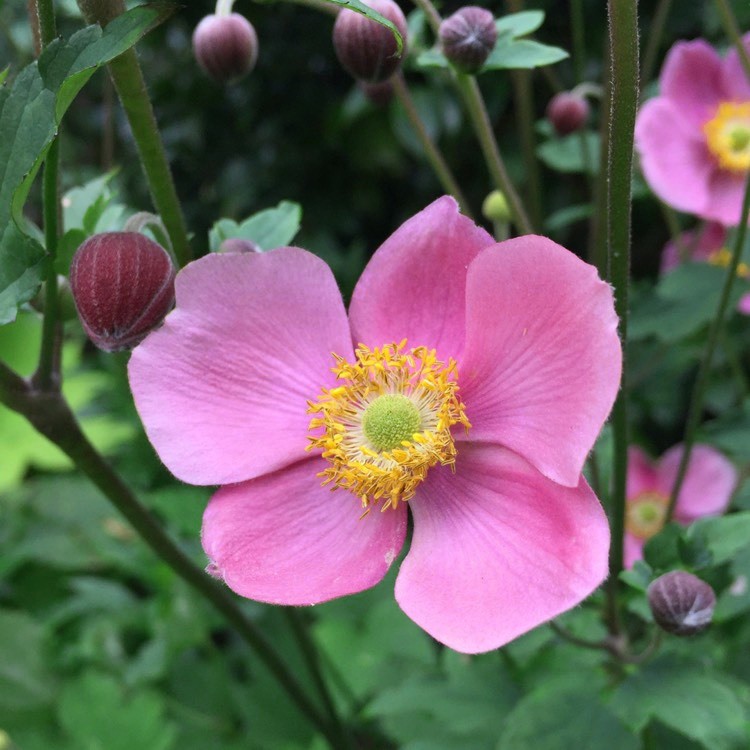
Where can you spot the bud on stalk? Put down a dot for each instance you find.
(568, 112)
(225, 46)
(366, 49)
(681, 603)
(468, 37)
(123, 286)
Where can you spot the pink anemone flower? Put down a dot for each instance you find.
(694, 138)
(467, 384)
(709, 245)
(706, 491)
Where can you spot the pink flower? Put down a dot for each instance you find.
(709, 246)
(706, 491)
(694, 138)
(517, 340)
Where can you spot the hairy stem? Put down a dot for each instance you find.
(131, 88)
(623, 45)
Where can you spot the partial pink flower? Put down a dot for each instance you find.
(707, 244)
(706, 491)
(468, 384)
(694, 138)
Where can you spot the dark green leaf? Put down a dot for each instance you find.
(724, 536)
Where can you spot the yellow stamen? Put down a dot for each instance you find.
(646, 513)
(728, 136)
(389, 423)
(723, 257)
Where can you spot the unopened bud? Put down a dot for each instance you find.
(568, 112)
(367, 49)
(225, 46)
(237, 245)
(378, 94)
(681, 603)
(123, 286)
(468, 37)
(495, 207)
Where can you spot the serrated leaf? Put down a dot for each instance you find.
(273, 227)
(520, 24)
(686, 698)
(30, 113)
(96, 713)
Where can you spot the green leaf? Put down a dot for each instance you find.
(30, 113)
(686, 698)
(565, 713)
(525, 54)
(25, 683)
(568, 215)
(730, 433)
(274, 227)
(567, 155)
(95, 713)
(724, 536)
(520, 24)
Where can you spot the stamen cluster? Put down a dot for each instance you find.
(386, 477)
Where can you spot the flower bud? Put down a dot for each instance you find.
(238, 245)
(495, 207)
(225, 46)
(568, 112)
(468, 37)
(123, 286)
(367, 49)
(681, 603)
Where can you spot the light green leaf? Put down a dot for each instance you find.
(274, 227)
(30, 113)
(520, 24)
(724, 536)
(525, 54)
(566, 154)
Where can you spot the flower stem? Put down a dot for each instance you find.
(654, 39)
(127, 77)
(48, 412)
(48, 369)
(714, 334)
(623, 46)
(732, 30)
(438, 163)
(224, 7)
(577, 29)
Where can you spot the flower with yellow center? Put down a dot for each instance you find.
(728, 136)
(388, 422)
(645, 514)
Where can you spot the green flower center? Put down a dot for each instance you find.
(646, 514)
(390, 420)
(739, 138)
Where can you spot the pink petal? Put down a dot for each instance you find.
(632, 550)
(542, 361)
(498, 549)
(285, 539)
(642, 476)
(692, 79)
(222, 386)
(744, 304)
(734, 78)
(710, 239)
(414, 286)
(726, 190)
(676, 165)
(709, 482)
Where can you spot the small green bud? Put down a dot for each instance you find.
(496, 208)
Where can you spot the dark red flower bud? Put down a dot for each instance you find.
(468, 37)
(237, 245)
(123, 286)
(567, 112)
(681, 603)
(379, 94)
(367, 49)
(226, 46)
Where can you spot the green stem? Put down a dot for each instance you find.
(48, 369)
(733, 31)
(714, 334)
(50, 415)
(654, 40)
(131, 88)
(735, 365)
(483, 129)
(224, 7)
(577, 28)
(438, 163)
(623, 45)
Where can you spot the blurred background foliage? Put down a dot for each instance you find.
(102, 647)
